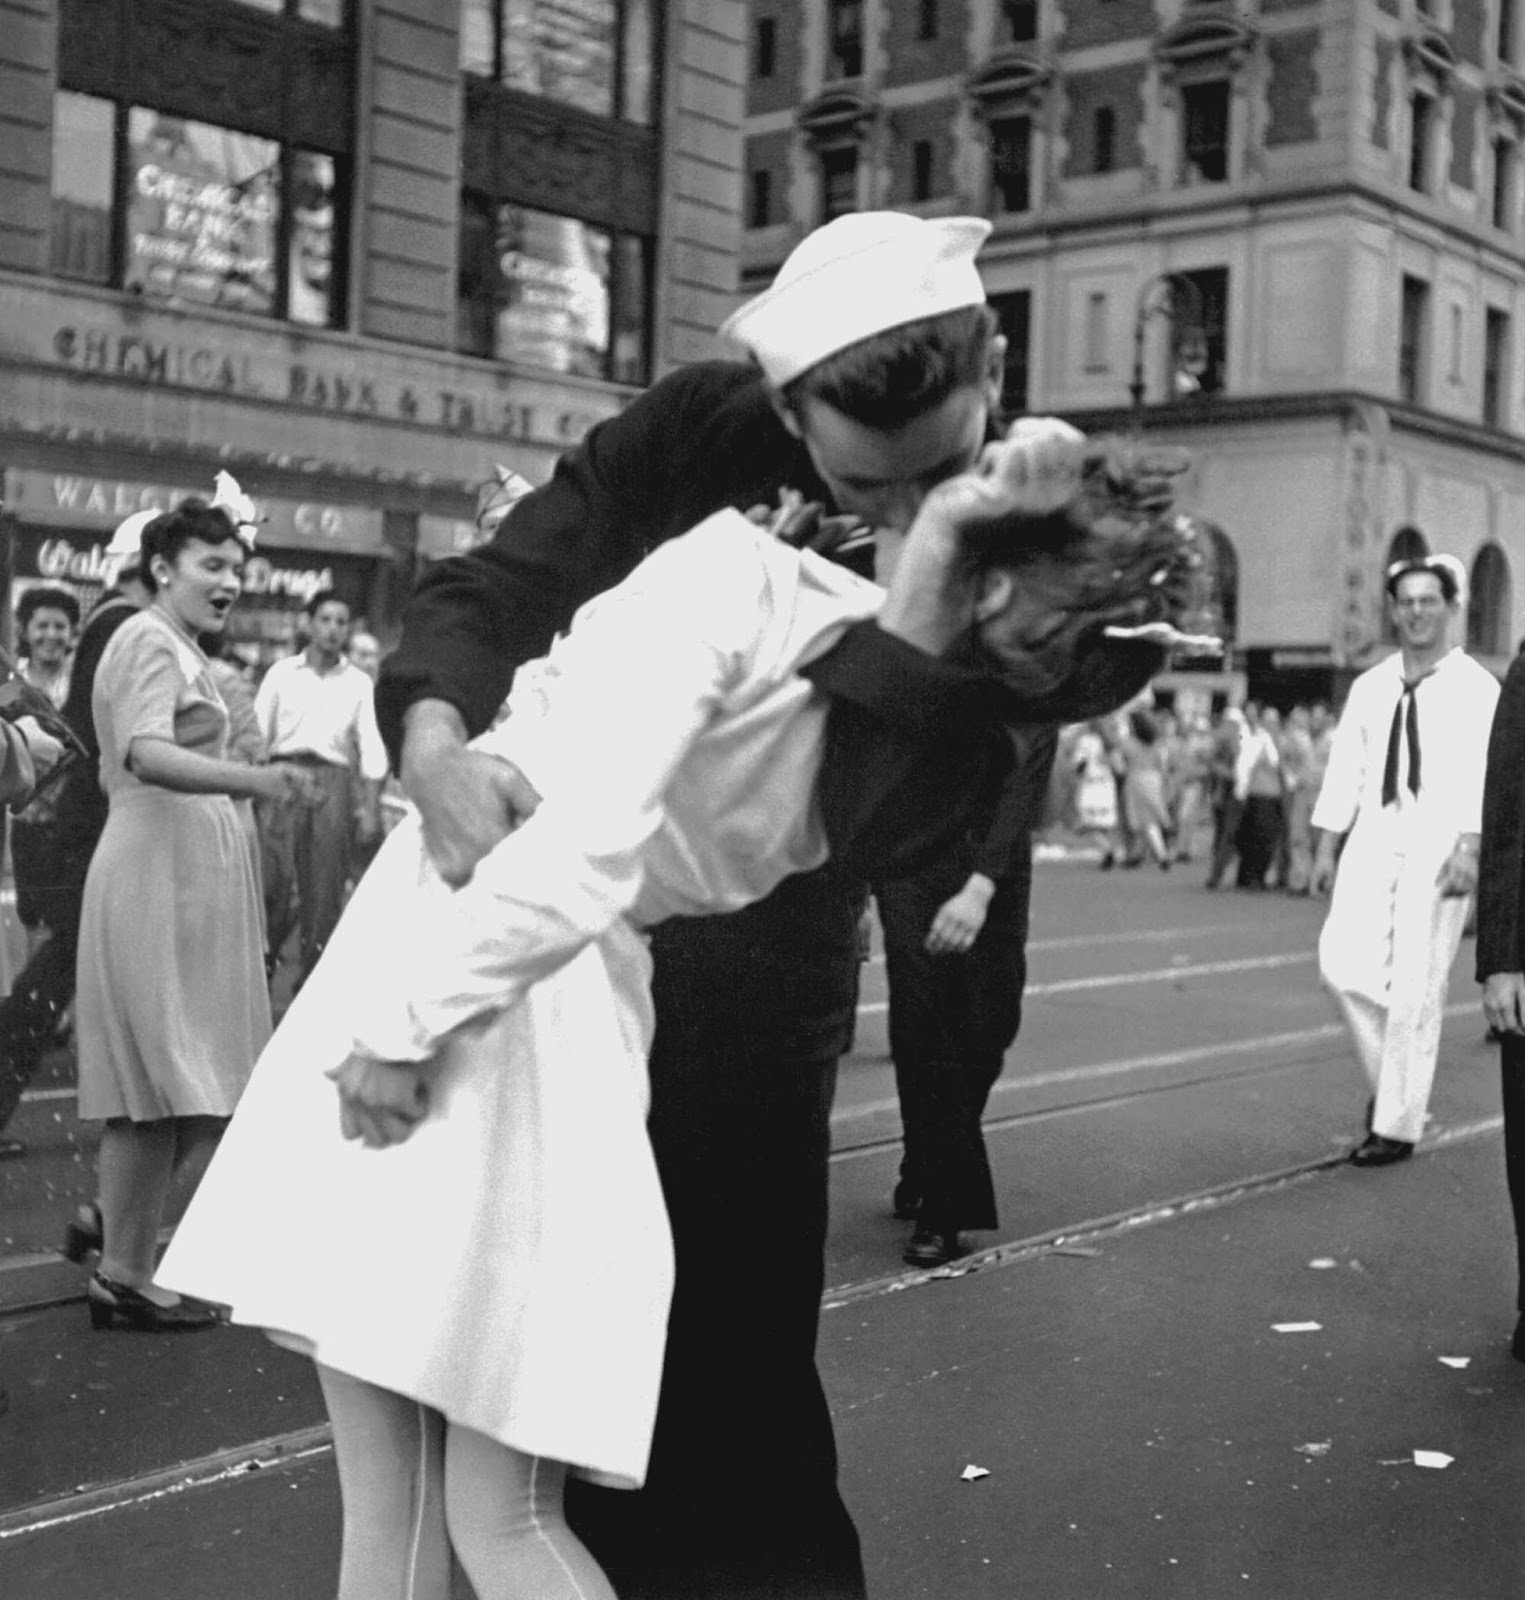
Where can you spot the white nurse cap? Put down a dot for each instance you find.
(127, 537)
(856, 276)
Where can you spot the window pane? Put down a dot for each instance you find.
(554, 292)
(79, 244)
(476, 294)
(638, 62)
(311, 251)
(563, 49)
(476, 38)
(329, 12)
(201, 213)
(632, 312)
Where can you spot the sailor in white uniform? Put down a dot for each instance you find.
(1405, 789)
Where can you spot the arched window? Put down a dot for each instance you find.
(1219, 607)
(1489, 603)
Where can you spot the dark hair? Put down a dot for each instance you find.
(191, 521)
(321, 597)
(894, 377)
(45, 598)
(1440, 571)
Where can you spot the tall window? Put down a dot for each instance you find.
(1211, 284)
(1505, 160)
(191, 214)
(1011, 160)
(1413, 330)
(1421, 139)
(1096, 333)
(328, 12)
(765, 48)
(1019, 19)
(1490, 603)
(1495, 367)
(927, 19)
(839, 181)
(844, 42)
(921, 170)
(1508, 36)
(760, 200)
(553, 292)
(1014, 312)
(597, 55)
(1104, 139)
(1204, 131)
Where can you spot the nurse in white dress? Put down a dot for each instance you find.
(1404, 787)
(489, 1316)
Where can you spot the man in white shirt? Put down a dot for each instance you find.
(1405, 785)
(316, 708)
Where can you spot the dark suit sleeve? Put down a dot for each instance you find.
(1020, 807)
(474, 619)
(1501, 867)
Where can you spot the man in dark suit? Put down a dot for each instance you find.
(1501, 940)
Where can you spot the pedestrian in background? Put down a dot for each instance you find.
(316, 708)
(1095, 810)
(1193, 806)
(46, 621)
(1144, 788)
(1223, 762)
(1258, 789)
(955, 950)
(39, 1000)
(364, 651)
(1501, 943)
(1404, 789)
(172, 1007)
(1299, 789)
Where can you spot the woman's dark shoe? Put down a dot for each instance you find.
(110, 1301)
(85, 1234)
(1377, 1150)
(931, 1247)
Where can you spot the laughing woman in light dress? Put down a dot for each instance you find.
(172, 1009)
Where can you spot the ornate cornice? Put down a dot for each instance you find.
(1505, 91)
(1012, 79)
(1428, 51)
(1205, 41)
(839, 116)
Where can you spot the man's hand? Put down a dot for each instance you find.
(467, 801)
(1504, 1002)
(958, 921)
(1321, 879)
(380, 1102)
(1458, 872)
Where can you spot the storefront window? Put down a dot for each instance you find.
(547, 291)
(84, 137)
(596, 55)
(329, 12)
(209, 216)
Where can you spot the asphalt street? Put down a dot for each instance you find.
(1197, 1359)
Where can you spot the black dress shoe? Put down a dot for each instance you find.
(110, 1302)
(1517, 1346)
(85, 1234)
(931, 1247)
(1377, 1150)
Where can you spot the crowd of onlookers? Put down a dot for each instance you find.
(1236, 789)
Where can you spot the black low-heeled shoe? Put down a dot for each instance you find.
(84, 1234)
(110, 1301)
(932, 1247)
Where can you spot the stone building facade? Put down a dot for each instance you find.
(359, 252)
(1339, 185)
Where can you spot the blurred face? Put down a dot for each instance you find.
(1420, 612)
(366, 654)
(1318, 718)
(1270, 720)
(883, 475)
(329, 627)
(48, 636)
(199, 586)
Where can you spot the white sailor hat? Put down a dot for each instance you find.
(856, 276)
(127, 537)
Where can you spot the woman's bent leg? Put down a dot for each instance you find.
(506, 1524)
(391, 1458)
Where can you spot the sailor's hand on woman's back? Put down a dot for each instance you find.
(467, 801)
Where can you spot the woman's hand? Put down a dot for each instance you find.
(380, 1102)
(45, 750)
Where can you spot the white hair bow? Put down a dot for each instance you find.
(241, 510)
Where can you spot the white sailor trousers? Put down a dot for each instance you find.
(1385, 954)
